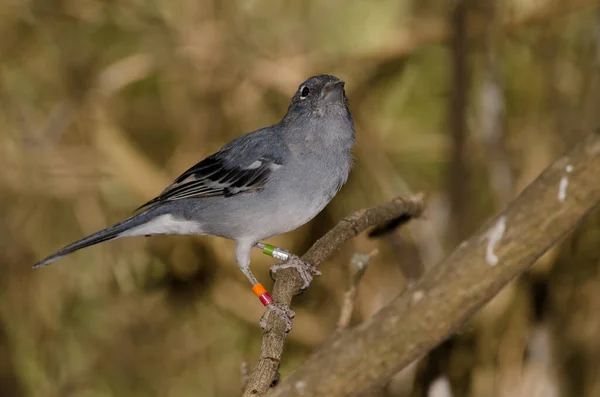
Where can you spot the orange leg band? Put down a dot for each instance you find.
(263, 295)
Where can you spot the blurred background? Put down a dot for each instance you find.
(103, 103)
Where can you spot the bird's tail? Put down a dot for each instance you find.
(132, 226)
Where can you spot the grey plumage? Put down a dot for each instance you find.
(261, 184)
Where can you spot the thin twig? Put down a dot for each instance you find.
(358, 266)
(288, 281)
(458, 170)
(245, 374)
(492, 108)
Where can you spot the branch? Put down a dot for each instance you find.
(365, 357)
(358, 267)
(288, 282)
(458, 169)
(492, 104)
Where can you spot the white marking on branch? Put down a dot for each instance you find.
(494, 235)
(300, 386)
(417, 296)
(440, 388)
(564, 183)
(562, 189)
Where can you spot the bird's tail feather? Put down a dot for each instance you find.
(110, 233)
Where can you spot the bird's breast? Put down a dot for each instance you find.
(310, 184)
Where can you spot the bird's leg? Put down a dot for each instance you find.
(306, 270)
(242, 257)
(283, 311)
(257, 288)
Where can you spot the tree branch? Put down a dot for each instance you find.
(357, 266)
(288, 282)
(365, 357)
(458, 169)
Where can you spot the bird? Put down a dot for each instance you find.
(262, 184)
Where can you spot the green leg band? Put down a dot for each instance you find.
(269, 249)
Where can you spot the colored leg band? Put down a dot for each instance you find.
(275, 252)
(263, 295)
(268, 249)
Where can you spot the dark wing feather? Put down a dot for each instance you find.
(213, 177)
(241, 166)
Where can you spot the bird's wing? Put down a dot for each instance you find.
(244, 165)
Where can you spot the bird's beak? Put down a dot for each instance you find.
(334, 92)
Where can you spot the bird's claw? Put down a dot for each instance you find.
(282, 311)
(306, 270)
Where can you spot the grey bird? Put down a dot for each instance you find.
(259, 185)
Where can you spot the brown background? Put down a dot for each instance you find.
(102, 104)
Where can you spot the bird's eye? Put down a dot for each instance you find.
(305, 92)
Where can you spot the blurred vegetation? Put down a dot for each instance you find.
(102, 104)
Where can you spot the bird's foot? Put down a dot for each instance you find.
(306, 270)
(282, 311)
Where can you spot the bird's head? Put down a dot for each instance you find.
(319, 97)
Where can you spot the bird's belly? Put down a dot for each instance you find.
(296, 204)
(292, 215)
